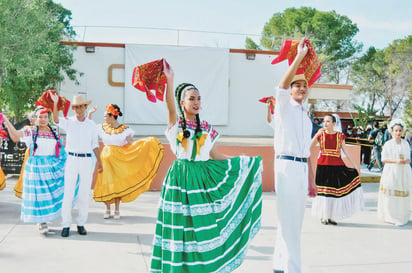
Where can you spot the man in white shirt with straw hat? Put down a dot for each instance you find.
(81, 142)
(294, 177)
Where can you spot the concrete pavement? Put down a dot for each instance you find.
(360, 244)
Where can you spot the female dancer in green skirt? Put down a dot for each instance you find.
(210, 204)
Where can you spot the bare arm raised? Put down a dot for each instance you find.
(14, 134)
(55, 99)
(170, 99)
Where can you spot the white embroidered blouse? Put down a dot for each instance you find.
(114, 136)
(184, 147)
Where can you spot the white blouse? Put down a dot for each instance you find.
(115, 138)
(210, 137)
(392, 150)
(46, 142)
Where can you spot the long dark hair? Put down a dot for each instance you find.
(180, 93)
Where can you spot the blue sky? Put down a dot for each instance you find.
(379, 22)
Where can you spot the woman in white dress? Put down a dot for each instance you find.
(394, 199)
(43, 175)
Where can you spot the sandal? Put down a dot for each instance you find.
(106, 214)
(43, 229)
(116, 215)
(324, 221)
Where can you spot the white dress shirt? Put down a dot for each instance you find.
(81, 136)
(293, 127)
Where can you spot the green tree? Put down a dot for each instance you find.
(32, 56)
(407, 114)
(331, 35)
(250, 44)
(384, 77)
(366, 115)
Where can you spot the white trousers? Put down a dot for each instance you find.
(291, 180)
(83, 168)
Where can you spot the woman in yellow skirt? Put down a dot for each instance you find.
(2, 179)
(129, 167)
(18, 188)
(3, 134)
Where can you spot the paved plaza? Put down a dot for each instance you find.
(360, 244)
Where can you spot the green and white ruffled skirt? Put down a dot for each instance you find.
(209, 212)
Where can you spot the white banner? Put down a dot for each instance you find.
(206, 68)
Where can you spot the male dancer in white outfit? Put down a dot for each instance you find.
(81, 141)
(293, 175)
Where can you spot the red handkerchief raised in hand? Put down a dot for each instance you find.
(310, 64)
(265, 99)
(46, 101)
(150, 76)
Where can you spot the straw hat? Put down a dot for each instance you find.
(79, 100)
(298, 77)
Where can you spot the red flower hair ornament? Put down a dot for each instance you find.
(111, 110)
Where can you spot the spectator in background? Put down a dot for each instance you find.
(348, 132)
(408, 138)
(366, 149)
(316, 125)
(376, 138)
(386, 134)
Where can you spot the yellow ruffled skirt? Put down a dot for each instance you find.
(128, 170)
(2, 179)
(18, 188)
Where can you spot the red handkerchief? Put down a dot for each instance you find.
(3, 133)
(265, 99)
(310, 64)
(46, 101)
(148, 77)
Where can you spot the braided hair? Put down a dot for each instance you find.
(36, 134)
(180, 94)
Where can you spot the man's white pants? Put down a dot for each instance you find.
(81, 167)
(291, 179)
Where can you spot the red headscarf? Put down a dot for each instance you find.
(46, 101)
(310, 64)
(150, 76)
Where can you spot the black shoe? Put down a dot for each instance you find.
(330, 221)
(81, 230)
(324, 221)
(65, 232)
